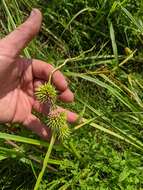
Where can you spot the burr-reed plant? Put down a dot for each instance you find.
(57, 121)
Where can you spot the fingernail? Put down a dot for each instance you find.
(33, 12)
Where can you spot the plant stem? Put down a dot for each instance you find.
(45, 162)
(70, 60)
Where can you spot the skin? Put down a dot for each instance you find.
(19, 77)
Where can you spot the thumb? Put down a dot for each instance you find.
(22, 35)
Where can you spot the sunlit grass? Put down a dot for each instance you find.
(88, 38)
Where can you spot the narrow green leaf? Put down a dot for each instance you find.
(2, 157)
(23, 139)
(74, 17)
(133, 20)
(113, 91)
(113, 40)
(101, 128)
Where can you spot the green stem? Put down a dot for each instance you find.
(50, 78)
(70, 60)
(45, 162)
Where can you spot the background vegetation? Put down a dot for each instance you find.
(102, 43)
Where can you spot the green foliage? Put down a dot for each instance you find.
(106, 151)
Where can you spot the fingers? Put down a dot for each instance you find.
(35, 125)
(41, 108)
(44, 108)
(23, 34)
(71, 116)
(66, 96)
(42, 71)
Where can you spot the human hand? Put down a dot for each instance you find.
(20, 76)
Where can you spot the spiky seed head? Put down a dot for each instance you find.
(57, 120)
(58, 123)
(46, 93)
(64, 132)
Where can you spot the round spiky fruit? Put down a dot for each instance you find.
(64, 132)
(46, 93)
(58, 123)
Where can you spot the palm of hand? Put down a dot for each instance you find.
(17, 90)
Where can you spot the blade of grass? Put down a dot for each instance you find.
(2, 157)
(76, 15)
(113, 40)
(117, 135)
(21, 139)
(127, 58)
(123, 135)
(113, 91)
(133, 20)
(45, 162)
(10, 152)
